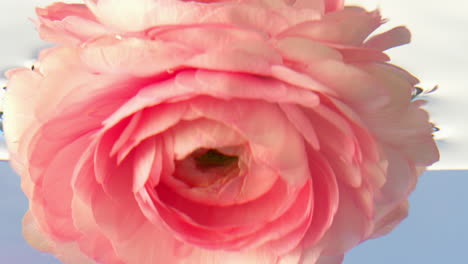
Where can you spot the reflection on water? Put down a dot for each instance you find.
(3, 149)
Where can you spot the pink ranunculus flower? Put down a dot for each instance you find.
(206, 132)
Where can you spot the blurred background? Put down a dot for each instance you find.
(435, 231)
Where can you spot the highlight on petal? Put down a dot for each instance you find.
(122, 15)
(351, 26)
(68, 23)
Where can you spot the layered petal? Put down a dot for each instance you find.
(68, 23)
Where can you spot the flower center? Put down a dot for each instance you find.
(214, 159)
(205, 167)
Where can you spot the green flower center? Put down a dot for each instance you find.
(214, 159)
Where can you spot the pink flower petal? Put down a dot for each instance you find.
(350, 225)
(387, 222)
(333, 5)
(147, 161)
(361, 55)
(19, 116)
(349, 82)
(114, 207)
(305, 50)
(92, 241)
(389, 39)
(204, 256)
(302, 124)
(226, 226)
(351, 26)
(326, 198)
(68, 23)
(128, 55)
(153, 121)
(330, 259)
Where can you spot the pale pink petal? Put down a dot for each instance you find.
(396, 85)
(293, 257)
(33, 235)
(221, 217)
(326, 198)
(19, 115)
(67, 252)
(68, 23)
(350, 225)
(92, 241)
(104, 164)
(224, 227)
(251, 57)
(287, 232)
(295, 16)
(423, 151)
(150, 96)
(149, 244)
(52, 212)
(70, 253)
(124, 16)
(302, 124)
(145, 160)
(240, 50)
(129, 126)
(153, 121)
(59, 11)
(338, 143)
(361, 55)
(387, 222)
(259, 179)
(189, 35)
(401, 178)
(389, 39)
(313, 4)
(251, 16)
(310, 255)
(129, 55)
(284, 234)
(305, 50)
(204, 256)
(188, 84)
(114, 207)
(202, 133)
(302, 80)
(55, 206)
(350, 26)
(149, 13)
(389, 125)
(236, 85)
(349, 82)
(330, 259)
(81, 92)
